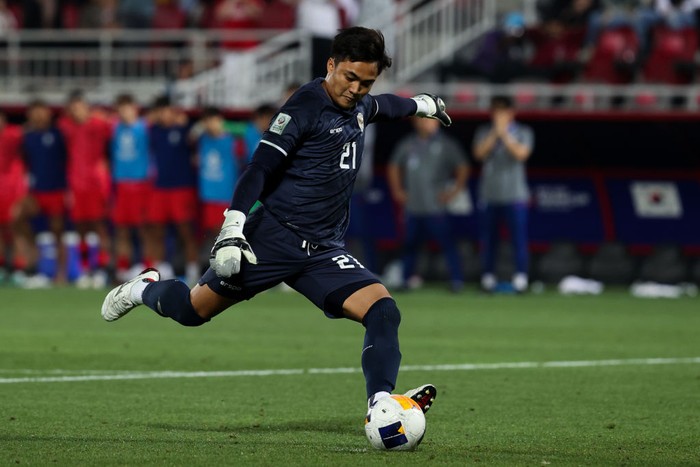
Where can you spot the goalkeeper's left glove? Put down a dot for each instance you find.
(431, 106)
(230, 245)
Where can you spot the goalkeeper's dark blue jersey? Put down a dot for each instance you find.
(322, 144)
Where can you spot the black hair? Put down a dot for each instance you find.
(210, 112)
(76, 95)
(124, 99)
(501, 102)
(37, 103)
(264, 109)
(160, 102)
(358, 44)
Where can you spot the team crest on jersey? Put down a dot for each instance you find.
(280, 123)
(361, 121)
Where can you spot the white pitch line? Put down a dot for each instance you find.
(97, 375)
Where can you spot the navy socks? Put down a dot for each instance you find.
(381, 356)
(171, 299)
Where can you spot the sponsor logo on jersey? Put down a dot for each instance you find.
(235, 288)
(280, 123)
(335, 131)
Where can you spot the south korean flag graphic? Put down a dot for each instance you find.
(656, 200)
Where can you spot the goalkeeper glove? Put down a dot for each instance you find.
(225, 257)
(431, 106)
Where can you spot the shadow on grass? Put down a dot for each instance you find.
(342, 426)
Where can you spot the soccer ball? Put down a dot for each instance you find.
(395, 423)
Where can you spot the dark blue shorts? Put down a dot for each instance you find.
(325, 275)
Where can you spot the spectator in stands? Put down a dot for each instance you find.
(174, 197)
(98, 14)
(502, 55)
(218, 170)
(136, 14)
(8, 21)
(132, 177)
(168, 15)
(279, 14)
(238, 16)
(616, 14)
(428, 169)
(12, 191)
(503, 146)
(567, 13)
(677, 14)
(323, 18)
(87, 136)
(46, 158)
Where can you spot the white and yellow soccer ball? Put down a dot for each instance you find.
(395, 423)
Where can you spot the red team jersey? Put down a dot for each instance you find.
(13, 182)
(88, 169)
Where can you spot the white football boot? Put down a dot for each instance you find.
(424, 395)
(119, 301)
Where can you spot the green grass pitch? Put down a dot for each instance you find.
(75, 390)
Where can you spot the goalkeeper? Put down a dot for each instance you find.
(303, 173)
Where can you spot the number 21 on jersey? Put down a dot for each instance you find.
(348, 158)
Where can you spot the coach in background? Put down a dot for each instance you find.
(428, 169)
(503, 146)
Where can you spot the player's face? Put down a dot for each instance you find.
(167, 116)
(425, 126)
(79, 110)
(39, 116)
(128, 113)
(214, 125)
(348, 82)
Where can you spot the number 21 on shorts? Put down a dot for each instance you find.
(346, 262)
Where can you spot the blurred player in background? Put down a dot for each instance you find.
(503, 146)
(45, 157)
(254, 130)
(13, 188)
(218, 170)
(87, 136)
(174, 197)
(428, 169)
(303, 172)
(131, 173)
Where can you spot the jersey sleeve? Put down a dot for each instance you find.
(387, 107)
(292, 122)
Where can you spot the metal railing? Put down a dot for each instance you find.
(420, 34)
(48, 63)
(433, 32)
(243, 80)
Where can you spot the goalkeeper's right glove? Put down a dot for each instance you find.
(225, 257)
(431, 106)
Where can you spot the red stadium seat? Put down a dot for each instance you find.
(279, 14)
(671, 58)
(169, 16)
(614, 57)
(556, 53)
